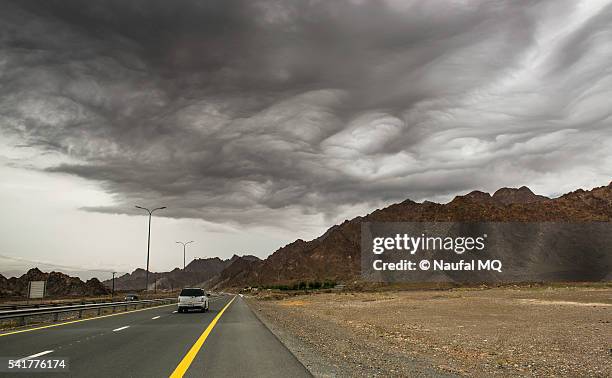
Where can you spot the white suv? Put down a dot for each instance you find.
(192, 297)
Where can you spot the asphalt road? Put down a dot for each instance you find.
(227, 341)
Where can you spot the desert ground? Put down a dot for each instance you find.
(512, 331)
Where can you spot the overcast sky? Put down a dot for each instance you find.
(259, 122)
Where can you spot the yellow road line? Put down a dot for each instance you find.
(82, 320)
(182, 367)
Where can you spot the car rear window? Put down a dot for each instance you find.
(192, 293)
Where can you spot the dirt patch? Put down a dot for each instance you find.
(563, 303)
(505, 332)
(292, 303)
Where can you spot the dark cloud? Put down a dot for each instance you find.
(257, 111)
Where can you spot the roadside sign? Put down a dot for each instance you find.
(36, 289)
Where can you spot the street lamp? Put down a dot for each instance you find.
(149, 240)
(113, 292)
(184, 244)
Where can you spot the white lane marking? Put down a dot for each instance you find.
(174, 312)
(36, 355)
(120, 328)
(155, 317)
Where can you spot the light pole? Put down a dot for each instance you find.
(113, 292)
(184, 245)
(149, 240)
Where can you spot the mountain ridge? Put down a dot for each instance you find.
(196, 273)
(335, 255)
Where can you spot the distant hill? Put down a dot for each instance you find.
(336, 254)
(58, 285)
(235, 270)
(197, 273)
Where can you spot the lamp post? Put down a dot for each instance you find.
(149, 240)
(113, 292)
(184, 245)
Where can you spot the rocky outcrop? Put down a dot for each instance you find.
(58, 285)
(507, 196)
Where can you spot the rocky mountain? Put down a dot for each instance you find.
(58, 285)
(235, 271)
(336, 254)
(522, 195)
(196, 273)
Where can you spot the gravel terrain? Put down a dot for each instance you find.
(546, 331)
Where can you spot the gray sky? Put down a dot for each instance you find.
(259, 122)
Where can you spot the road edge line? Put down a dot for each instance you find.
(182, 367)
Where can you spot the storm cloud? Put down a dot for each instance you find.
(255, 112)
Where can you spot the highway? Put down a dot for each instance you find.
(227, 341)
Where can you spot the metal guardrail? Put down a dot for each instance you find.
(22, 314)
(17, 306)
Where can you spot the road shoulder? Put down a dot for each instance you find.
(304, 353)
(327, 350)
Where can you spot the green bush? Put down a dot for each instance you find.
(302, 285)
